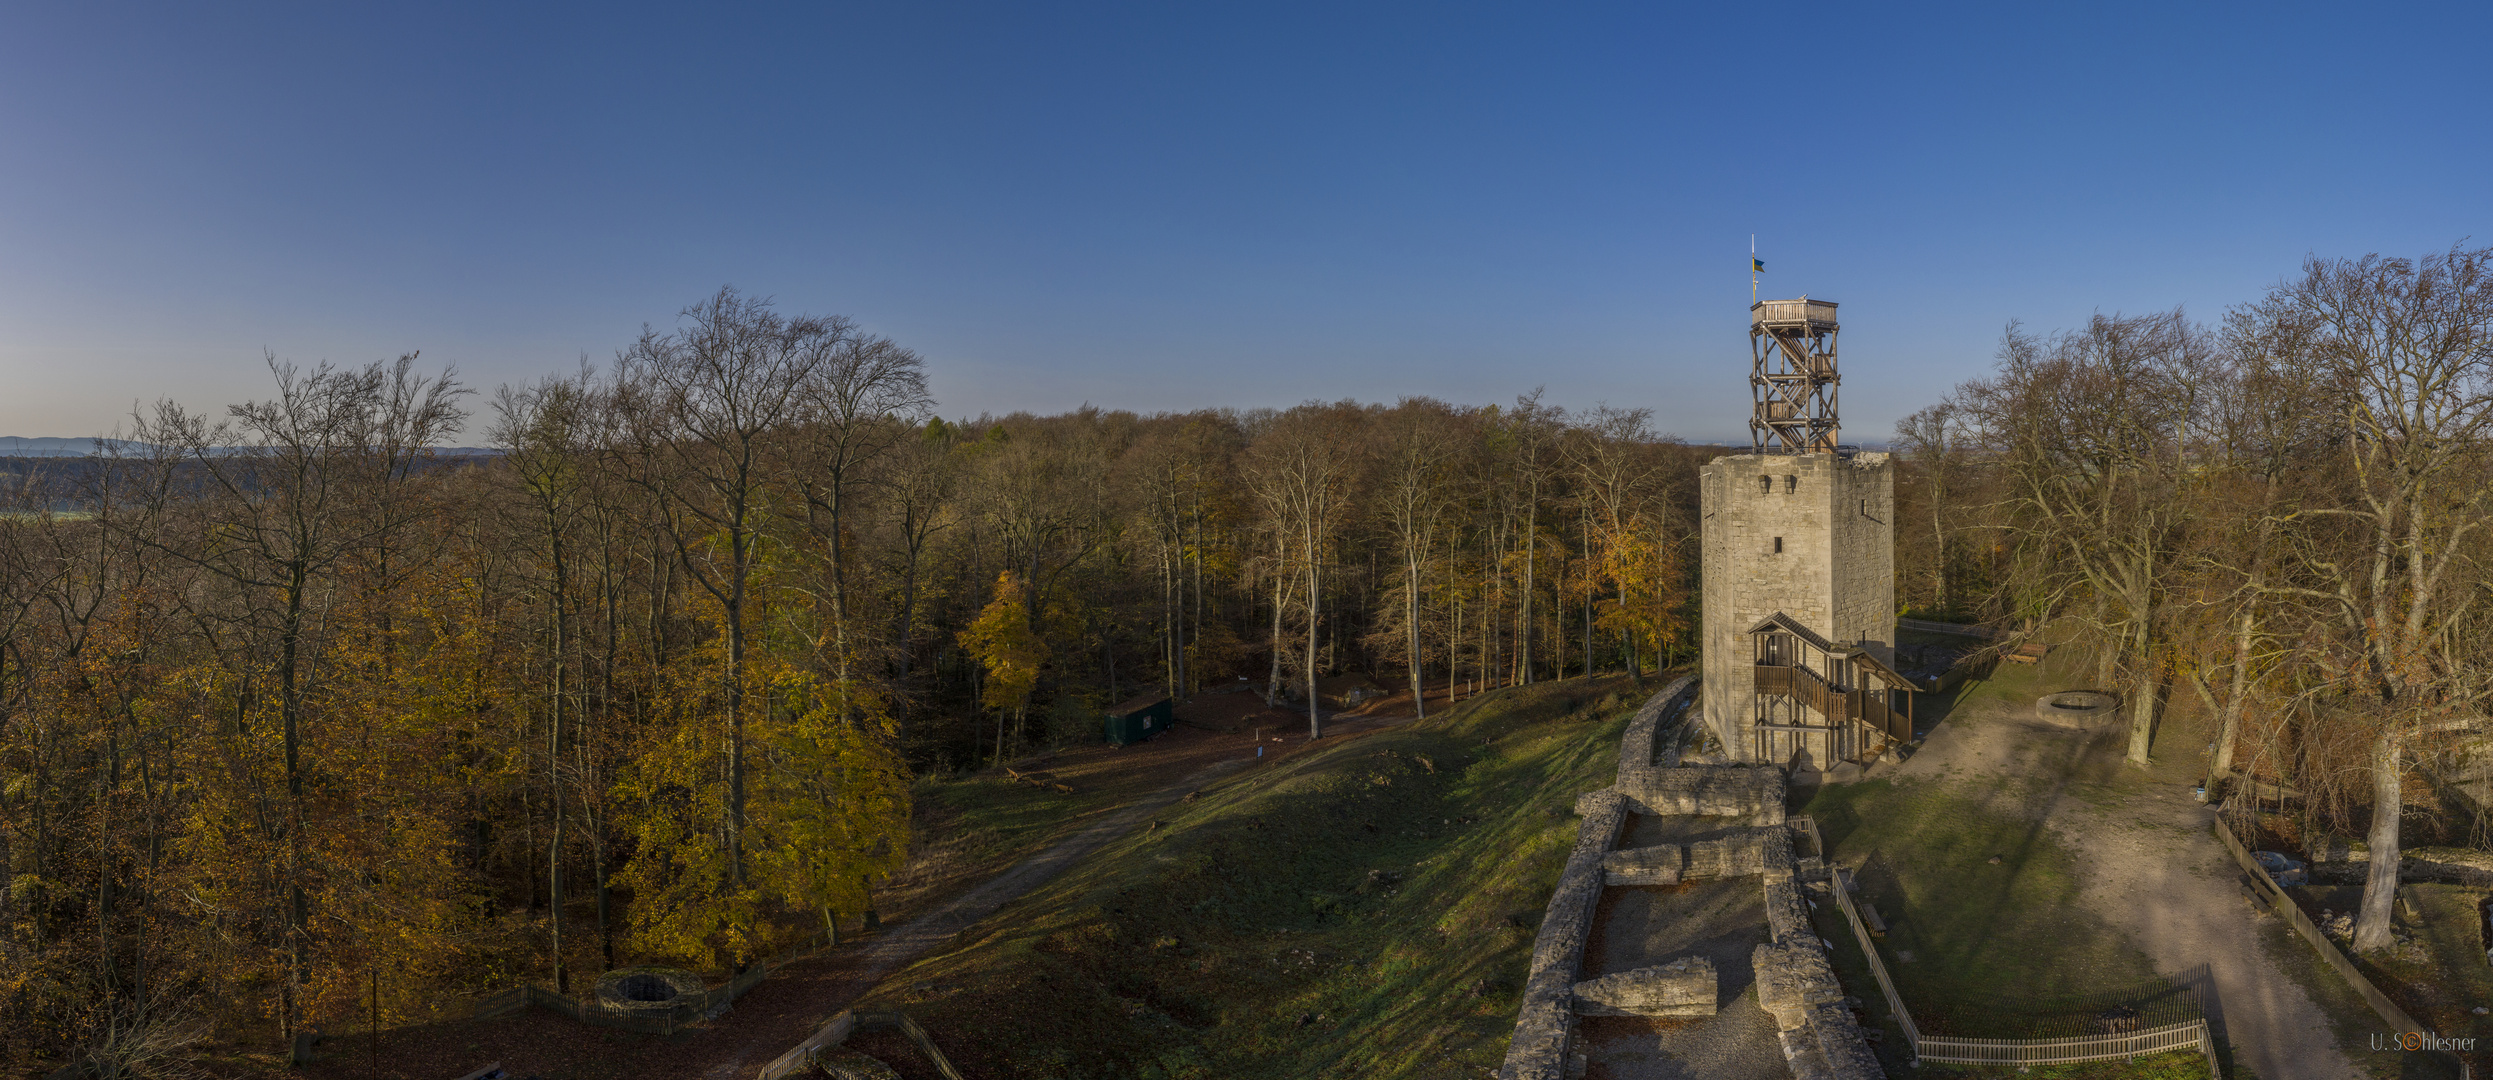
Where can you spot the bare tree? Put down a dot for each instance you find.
(2405, 351)
(290, 492)
(1301, 470)
(1416, 462)
(722, 390)
(2093, 428)
(866, 397)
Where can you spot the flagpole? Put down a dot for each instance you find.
(1753, 270)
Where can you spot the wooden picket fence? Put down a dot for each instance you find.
(2284, 905)
(2021, 1052)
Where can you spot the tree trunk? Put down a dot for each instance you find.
(1272, 686)
(1198, 577)
(1411, 619)
(1523, 614)
(2231, 727)
(2380, 887)
(1315, 719)
(2142, 708)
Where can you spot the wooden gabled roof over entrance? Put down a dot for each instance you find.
(1867, 661)
(1792, 626)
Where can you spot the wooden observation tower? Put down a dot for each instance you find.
(1792, 376)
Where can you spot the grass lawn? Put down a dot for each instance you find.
(1976, 949)
(1987, 949)
(1362, 907)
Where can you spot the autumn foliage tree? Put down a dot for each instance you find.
(306, 716)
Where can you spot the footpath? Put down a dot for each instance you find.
(787, 1007)
(2154, 870)
(872, 962)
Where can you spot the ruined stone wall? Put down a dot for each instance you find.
(1819, 1038)
(1545, 1025)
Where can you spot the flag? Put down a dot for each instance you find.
(1756, 266)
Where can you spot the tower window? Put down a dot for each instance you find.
(1778, 545)
(1765, 485)
(1791, 484)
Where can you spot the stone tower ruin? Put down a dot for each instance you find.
(1799, 564)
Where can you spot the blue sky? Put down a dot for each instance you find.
(1170, 206)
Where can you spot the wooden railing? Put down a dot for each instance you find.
(2337, 961)
(800, 1060)
(1838, 705)
(1861, 933)
(1810, 687)
(2020, 1052)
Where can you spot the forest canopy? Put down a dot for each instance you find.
(289, 699)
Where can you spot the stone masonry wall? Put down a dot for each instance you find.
(1835, 570)
(1546, 1023)
(1684, 987)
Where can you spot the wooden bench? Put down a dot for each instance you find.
(2028, 653)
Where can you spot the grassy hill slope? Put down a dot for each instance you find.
(1363, 908)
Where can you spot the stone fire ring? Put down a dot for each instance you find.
(2074, 708)
(652, 988)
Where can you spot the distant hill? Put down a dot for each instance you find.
(16, 446)
(13, 446)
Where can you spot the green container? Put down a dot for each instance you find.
(1140, 719)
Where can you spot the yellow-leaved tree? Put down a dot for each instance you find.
(1010, 652)
(688, 901)
(831, 808)
(1651, 595)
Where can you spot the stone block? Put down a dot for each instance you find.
(1787, 912)
(1683, 987)
(1711, 791)
(1775, 854)
(1793, 980)
(1589, 803)
(1715, 859)
(1769, 798)
(1658, 865)
(1737, 855)
(1800, 1052)
(1848, 1056)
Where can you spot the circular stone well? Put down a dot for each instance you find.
(655, 988)
(2074, 708)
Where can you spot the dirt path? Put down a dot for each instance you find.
(790, 1004)
(2157, 872)
(895, 949)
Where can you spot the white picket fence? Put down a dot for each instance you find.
(2191, 1035)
